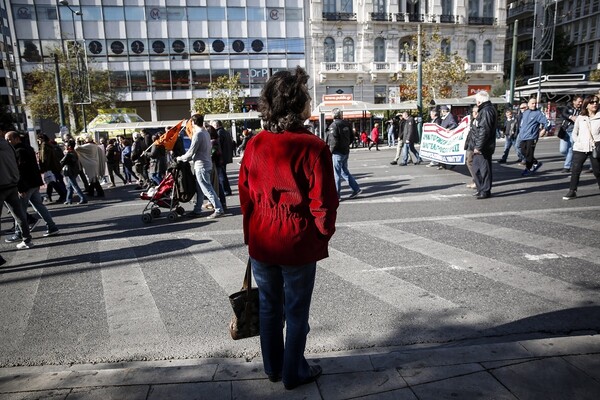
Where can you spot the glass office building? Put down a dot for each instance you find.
(162, 54)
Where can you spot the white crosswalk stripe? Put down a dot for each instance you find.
(531, 282)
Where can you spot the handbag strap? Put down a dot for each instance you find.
(247, 284)
(589, 124)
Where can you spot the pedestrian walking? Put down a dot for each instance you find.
(374, 137)
(586, 132)
(339, 138)
(533, 124)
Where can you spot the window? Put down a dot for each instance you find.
(218, 46)
(139, 81)
(238, 46)
(590, 53)
(293, 14)
(90, 13)
(197, 13)
(30, 51)
(113, 13)
(487, 51)
(276, 46)
(180, 79)
(337, 6)
(295, 46)
(118, 81)
(47, 13)
(216, 13)
(236, 14)
(95, 47)
(404, 50)
(473, 8)
(379, 6)
(488, 8)
(138, 47)
(329, 46)
(200, 79)
(445, 46)
(348, 49)
(380, 95)
(413, 8)
(257, 45)
(178, 46)
(447, 7)
(22, 11)
(134, 13)
(471, 51)
(379, 50)
(256, 13)
(161, 80)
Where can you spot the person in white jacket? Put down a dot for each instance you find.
(586, 133)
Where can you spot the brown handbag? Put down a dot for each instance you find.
(245, 321)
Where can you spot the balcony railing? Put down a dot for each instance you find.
(381, 16)
(485, 67)
(339, 16)
(523, 8)
(482, 21)
(340, 67)
(384, 67)
(403, 17)
(448, 19)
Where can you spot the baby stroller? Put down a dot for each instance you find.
(178, 186)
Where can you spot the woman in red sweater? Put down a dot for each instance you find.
(289, 201)
(375, 137)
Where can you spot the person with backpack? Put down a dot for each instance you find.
(339, 138)
(113, 159)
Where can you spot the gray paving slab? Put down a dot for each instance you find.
(264, 390)
(417, 376)
(344, 386)
(400, 394)
(550, 378)
(341, 365)
(569, 345)
(450, 355)
(590, 363)
(60, 394)
(31, 382)
(110, 393)
(234, 371)
(191, 391)
(475, 386)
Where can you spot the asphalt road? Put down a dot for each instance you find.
(415, 259)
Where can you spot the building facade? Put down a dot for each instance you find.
(162, 54)
(10, 93)
(579, 19)
(360, 47)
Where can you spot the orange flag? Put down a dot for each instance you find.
(189, 128)
(169, 138)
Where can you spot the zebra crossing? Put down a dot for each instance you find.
(386, 282)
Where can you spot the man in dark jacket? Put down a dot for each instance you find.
(339, 138)
(569, 115)
(408, 137)
(226, 144)
(9, 194)
(28, 186)
(483, 144)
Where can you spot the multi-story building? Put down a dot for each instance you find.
(579, 19)
(10, 94)
(162, 54)
(360, 47)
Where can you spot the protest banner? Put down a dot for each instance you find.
(443, 145)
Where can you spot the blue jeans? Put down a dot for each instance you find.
(411, 147)
(507, 145)
(72, 185)
(204, 188)
(284, 292)
(340, 171)
(33, 196)
(566, 149)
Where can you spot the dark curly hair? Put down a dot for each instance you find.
(283, 100)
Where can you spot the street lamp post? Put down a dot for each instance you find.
(76, 48)
(61, 103)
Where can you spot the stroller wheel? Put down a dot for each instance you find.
(180, 210)
(155, 212)
(147, 218)
(172, 216)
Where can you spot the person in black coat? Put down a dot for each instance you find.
(226, 143)
(483, 143)
(29, 184)
(9, 194)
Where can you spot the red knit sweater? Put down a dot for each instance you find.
(288, 197)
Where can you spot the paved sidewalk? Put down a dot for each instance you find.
(551, 368)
